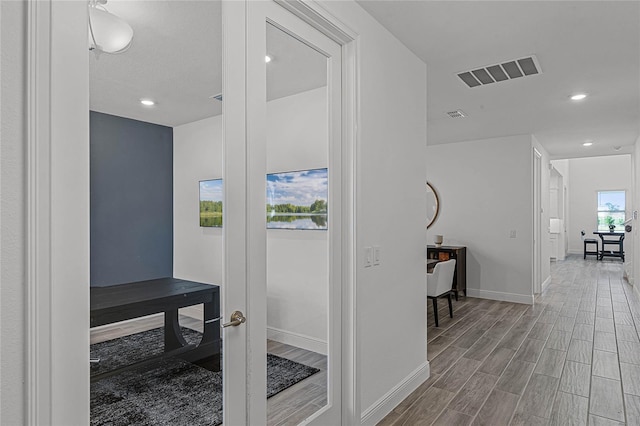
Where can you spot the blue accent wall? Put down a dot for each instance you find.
(131, 200)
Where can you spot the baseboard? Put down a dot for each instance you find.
(546, 282)
(498, 295)
(298, 340)
(575, 252)
(374, 414)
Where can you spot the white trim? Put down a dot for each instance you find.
(298, 340)
(575, 252)
(38, 254)
(546, 283)
(499, 295)
(397, 394)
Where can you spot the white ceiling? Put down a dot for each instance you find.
(176, 60)
(590, 46)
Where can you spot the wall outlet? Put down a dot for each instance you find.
(368, 257)
(376, 255)
(512, 233)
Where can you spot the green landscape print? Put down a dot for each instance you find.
(297, 200)
(211, 203)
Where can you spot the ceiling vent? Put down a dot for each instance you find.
(501, 72)
(456, 114)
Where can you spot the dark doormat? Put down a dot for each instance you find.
(172, 392)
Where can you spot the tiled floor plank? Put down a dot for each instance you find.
(572, 358)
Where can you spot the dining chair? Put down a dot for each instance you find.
(439, 284)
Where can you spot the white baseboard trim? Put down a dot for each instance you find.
(374, 414)
(498, 295)
(575, 252)
(298, 340)
(546, 282)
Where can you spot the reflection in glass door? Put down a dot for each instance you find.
(297, 238)
(156, 214)
(294, 97)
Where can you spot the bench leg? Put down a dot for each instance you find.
(450, 306)
(172, 334)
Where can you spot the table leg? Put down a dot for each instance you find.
(172, 334)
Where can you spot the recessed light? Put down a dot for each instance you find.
(147, 102)
(578, 96)
(267, 59)
(617, 148)
(587, 144)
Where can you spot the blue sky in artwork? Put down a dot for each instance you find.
(211, 190)
(297, 188)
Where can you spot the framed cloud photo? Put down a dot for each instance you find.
(298, 200)
(211, 203)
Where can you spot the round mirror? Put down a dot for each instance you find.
(433, 205)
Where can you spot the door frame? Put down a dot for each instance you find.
(57, 164)
(537, 222)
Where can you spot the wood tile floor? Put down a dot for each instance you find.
(289, 407)
(573, 358)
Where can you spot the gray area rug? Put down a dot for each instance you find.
(172, 392)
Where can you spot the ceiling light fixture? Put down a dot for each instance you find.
(587, 144)
(147, 102)
(578, 97)
(617, 148)
(267, 59)
(107, 32)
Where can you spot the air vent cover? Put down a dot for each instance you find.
(456, 114)
(507, 70)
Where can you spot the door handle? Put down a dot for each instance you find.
(236, 319)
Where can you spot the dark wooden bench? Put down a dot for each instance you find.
(137, 299)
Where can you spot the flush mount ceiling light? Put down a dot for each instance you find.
(578, 96)
(147, 102)
(107, 32)
(587, 143)
(267, 59)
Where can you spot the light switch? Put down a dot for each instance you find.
(368, 257)
(376, 255)
(512, 233)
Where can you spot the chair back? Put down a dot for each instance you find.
(441, 280)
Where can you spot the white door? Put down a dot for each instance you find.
(250, 257)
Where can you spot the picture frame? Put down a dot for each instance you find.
(297, 200)
(210, 203)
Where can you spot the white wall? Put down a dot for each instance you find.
(12, 213)
(197, 155)
(586, 177)
(485, 189)
(390, 167)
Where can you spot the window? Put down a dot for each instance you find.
(611, 205)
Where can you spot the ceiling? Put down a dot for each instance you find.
(590, 46)
(175, 59)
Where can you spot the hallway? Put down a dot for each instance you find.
(572, 358)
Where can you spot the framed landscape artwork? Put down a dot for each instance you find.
(297, 200)
(211, 203)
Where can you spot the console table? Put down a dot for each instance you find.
(459, 253)
(137, 299)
